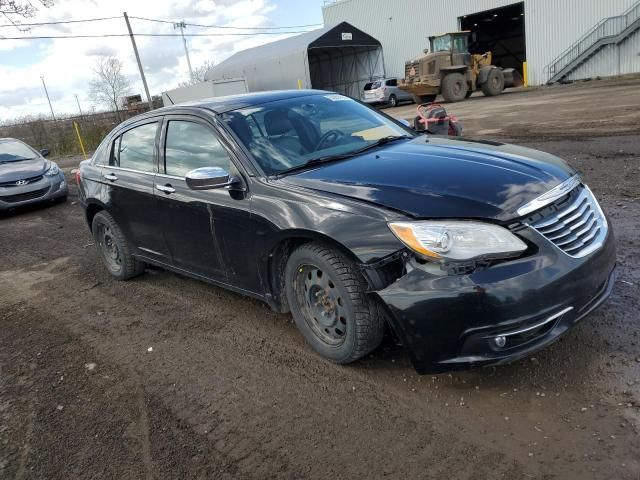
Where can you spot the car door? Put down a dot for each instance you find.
(129, 177)
(205, 230)
(401, 95)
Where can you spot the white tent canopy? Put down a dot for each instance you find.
(339, 58)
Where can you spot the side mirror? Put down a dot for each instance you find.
(44, 152)
(208, 178)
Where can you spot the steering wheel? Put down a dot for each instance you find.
(330, 138)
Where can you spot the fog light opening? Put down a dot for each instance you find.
(500, 341)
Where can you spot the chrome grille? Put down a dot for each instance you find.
(407, 69)
(28, 180)
(575, 223)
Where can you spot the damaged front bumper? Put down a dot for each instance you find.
(499, 314)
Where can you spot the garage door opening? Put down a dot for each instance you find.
(344, 59)
(500, 31)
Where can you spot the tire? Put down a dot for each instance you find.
(422, 99)
(113, 248)
(494, 84)
(393, 101)
(328, 299)
(454, 87)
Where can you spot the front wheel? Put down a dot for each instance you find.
(393, 101)
(454, 87)
(328, 301)
(114, 248)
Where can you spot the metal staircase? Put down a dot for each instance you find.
(612, 30)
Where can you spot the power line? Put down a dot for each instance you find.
(62, 22)
(59, 22)
(51, 37)
(229, 27)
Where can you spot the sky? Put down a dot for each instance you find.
(67, 64)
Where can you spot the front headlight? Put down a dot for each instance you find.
(53, 170)
(457, 240)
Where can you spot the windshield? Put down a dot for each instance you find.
(13, 151)
(442, 44)
(286, 134)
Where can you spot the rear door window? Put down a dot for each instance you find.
(392, 83)
(191, 145)
(135, 148)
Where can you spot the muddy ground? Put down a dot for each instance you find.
(166, 377)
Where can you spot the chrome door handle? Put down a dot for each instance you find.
(110, 176)
(166, 188)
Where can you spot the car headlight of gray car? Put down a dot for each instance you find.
(53, 170)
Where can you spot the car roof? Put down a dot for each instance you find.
(226, 103)
(244, 100)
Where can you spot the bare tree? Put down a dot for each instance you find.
(108, 83)
(198, 74)
(13, 9)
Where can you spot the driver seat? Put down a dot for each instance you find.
(291, 131)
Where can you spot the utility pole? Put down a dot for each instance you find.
(48, 99)
(78, 102)
(135, 51)
(181, 25)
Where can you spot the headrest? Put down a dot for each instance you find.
(277, 122)
(241, 127)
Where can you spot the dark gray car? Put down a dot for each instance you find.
(27, 177)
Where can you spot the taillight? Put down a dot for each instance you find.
(78, 177)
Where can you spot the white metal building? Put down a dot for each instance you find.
(559, 39)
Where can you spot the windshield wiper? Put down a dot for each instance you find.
(342, 156)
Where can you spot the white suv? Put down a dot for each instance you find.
(385, 91)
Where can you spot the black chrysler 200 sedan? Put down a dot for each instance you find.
(469, 252)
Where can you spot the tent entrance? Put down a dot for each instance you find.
(345, 69)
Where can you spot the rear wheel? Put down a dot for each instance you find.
(393, 101)
(454, 87)
(114, 248)
(422, 99)
(328, 301)
(494, 84)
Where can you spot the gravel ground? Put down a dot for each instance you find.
(166, 377)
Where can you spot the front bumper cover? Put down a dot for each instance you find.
(47, 188)
(449, 322)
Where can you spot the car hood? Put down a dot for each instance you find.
(13, 171)
(431, 177)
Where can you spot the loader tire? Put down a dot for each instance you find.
(454, 87)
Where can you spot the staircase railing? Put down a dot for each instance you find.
(607, 28)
